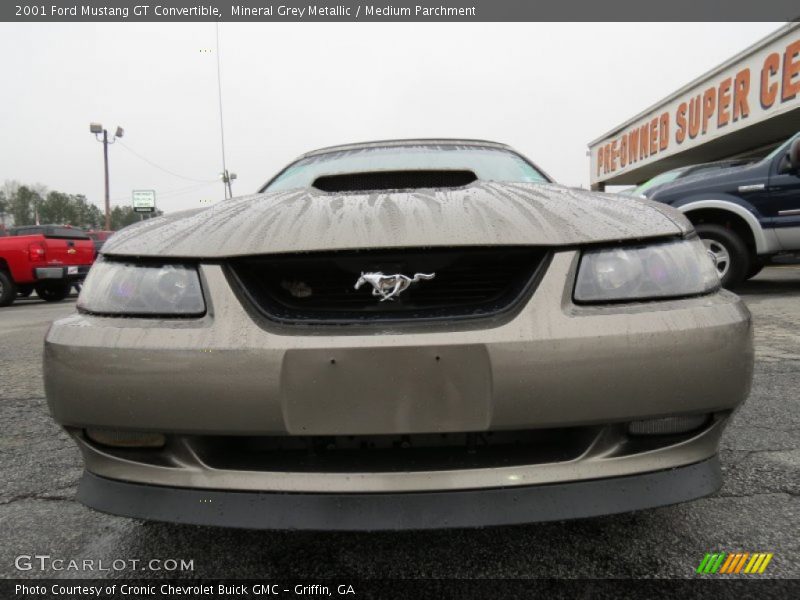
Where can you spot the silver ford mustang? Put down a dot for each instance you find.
(401, 334)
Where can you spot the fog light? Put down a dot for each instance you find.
(126, 439)
(667, 425)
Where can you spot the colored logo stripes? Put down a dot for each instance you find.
(740, 562)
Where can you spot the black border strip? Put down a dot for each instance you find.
(462, 11)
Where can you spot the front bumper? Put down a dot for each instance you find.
(427, 510)
(553, 365)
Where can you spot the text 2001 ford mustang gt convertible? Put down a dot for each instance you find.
(404, 334)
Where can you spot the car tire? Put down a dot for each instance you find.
(755, 269)
(52, 292)
(8, 289)
(729, 251)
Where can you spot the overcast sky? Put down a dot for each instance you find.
(546, 89)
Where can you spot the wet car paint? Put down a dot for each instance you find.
(483, 213)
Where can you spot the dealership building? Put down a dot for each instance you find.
(743, 108)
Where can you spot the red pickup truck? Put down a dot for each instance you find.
(45, 258)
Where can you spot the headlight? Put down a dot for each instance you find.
(665, 270)
(116, 288)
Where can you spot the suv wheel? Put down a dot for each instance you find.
(755, 269)
(52, 292)
(729, 253)
(8, 289)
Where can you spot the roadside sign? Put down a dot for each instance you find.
(144, 201)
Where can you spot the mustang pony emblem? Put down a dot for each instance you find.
(389, 286)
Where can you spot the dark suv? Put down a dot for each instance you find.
(745, 215)
(649, 187)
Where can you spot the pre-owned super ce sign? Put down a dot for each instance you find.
(757, 87)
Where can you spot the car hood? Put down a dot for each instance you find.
(484, 213)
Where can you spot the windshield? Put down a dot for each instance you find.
(658, 180)
(712, 167)
(488, 164)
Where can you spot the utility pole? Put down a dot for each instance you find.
(227, 177)
(97, 129)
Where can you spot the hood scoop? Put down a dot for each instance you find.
(394, 180)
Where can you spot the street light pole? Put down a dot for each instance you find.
(97, 129)
(105, 164)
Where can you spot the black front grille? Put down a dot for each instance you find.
(319, 287)
(393, 453)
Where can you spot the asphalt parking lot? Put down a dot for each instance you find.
(757, 510)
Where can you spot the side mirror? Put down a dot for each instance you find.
(794, 155)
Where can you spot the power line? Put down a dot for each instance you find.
(160, 168)
(186, 190)
(170, 193)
